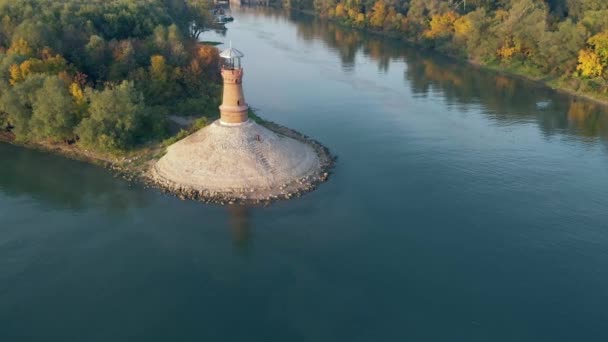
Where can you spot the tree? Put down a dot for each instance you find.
(593, 60)
(441, 25)
(96, 57)
(519, 28)
(20, 47)
(589, 64)
(577, 8)
(595, 21)
(558, 50)
(116, 115)
(158, 68)
(54, 112)
(379, 12)
(123, 55)
(49, 65)
(473, 34)
(323, 7)
(196, 17)
(177, 51)
(340, 10)
(599, 42)
(463, 27)
(35, 33)
(17, 103)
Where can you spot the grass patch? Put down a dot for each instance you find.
(253, 116)
(198, 124)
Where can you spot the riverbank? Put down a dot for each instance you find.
(553, 82)
(136, 166)
(128, 165)
(545, 80)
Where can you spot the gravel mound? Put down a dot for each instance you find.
(245, 159)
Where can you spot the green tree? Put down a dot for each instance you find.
(18, 102)
(518, 30)
(53, 111)
(558, 50)
(116, 115)
(96, 57)
(577, 8)
(595, 21)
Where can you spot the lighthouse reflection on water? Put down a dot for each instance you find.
(240, 227)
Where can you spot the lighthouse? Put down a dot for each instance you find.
(233, 110)
(237, 158)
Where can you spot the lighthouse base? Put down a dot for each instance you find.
(241, 162)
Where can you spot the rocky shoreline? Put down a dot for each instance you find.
(251, 196)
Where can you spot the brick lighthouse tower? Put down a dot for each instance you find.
(234, 108)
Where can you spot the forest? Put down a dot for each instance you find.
(561, 42)
(103, 74)
(106, 74)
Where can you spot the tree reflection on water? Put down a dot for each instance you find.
(240, 227)
(502, 98)
(64, 183)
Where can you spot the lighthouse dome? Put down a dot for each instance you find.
(231, 53)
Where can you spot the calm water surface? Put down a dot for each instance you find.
(465, 206)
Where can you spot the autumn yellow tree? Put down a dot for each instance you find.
(353, 14)
(378, 14)
(589, 64)
(15, 74)
(593, 61)
(462, 27)
(508, 49)
(158, 68)
(441, 25)
(77, 93)
(20, 47)
(50, 65)
(360, 20)
(340, 10)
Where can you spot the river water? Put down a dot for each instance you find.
(465, 206)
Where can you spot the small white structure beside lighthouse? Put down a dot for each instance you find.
(236, 157)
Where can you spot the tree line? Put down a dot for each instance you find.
(103, 73)
(562, 41)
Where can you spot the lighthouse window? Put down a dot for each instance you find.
(238, 103)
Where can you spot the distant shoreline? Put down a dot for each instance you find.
(598, 99)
